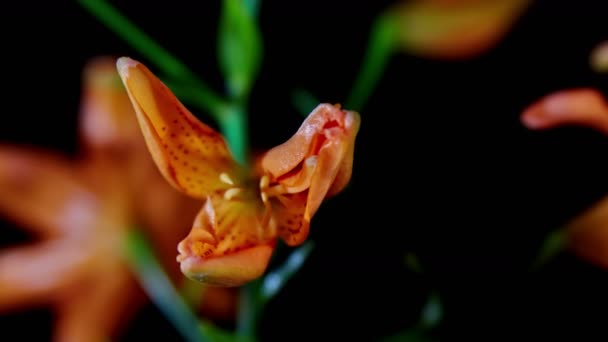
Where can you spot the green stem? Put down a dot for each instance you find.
(304, 101)
(154, 280)
(553, 244)
(161, 58)
(234, 126)
(249, 311)
(253, 6)
(379, 49)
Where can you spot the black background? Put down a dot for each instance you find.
(443, 167)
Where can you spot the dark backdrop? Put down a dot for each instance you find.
(443, 168)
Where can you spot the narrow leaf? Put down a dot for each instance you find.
(240, 47)
(160, 289)
(276, 279)
(380, 47)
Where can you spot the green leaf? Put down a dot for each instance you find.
(240, 47)
(432, 312)
(159, 288)
(170, 65)
(409, 335)
(304, 101)
(276, 279)
(380, 47)
(412, 262)
(554, 243)
(217, 334)
(253, 6)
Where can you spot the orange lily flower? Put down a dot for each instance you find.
(599, 57)
(455, 29)
(587, 234)
(582, 107)
(244, 210)
(81, 210)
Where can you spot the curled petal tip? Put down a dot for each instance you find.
(123, 64)
(228, 270)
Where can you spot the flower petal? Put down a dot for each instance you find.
(32, 274)
(588, 234)
(99, 307)
(318, 158)
(323, 124)
(583, 107)
(455, 29)
(43, 193)
(599, 57)
(190, 154)
(289, 213)
(230, 242)
(107, 117)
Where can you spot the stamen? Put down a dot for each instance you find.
(264, 182)
(275, 190)
(231, 193)
(226, 179)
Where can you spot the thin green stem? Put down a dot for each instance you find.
(234, 126)
(304, 101)
(249, 311)
(155, 282)
(553, 244)
(161, 58)
(379, 49)
(253, 6)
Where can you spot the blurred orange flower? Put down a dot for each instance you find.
(582, 107)
(454, 29)
(599, 57)
(587, 234)
(81, 209)
(244, 210)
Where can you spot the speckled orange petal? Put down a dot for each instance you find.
(455, 29)
(107, 118)
(230, 242)
(285, 159)
(43, 193)
(599, 57)
(190, 154)
(289, 213)
(582, 107)
(588, 234)
(297, 209)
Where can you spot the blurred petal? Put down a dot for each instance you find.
(190, 154)
(455, 29)
(30, 275)
(599, 57)
(229, 244)
(218, 303)
(166, 215)
(107, 116)
(42, 192)
(588, 234)
(99, 306)
(582, 107)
